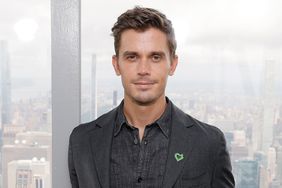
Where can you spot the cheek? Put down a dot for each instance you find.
(161, 69)
(127, 71)
(163, 74)
(125, 81)
(164, 78)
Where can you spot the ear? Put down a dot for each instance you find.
(173, 65)
(115, 64)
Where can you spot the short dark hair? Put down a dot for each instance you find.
(141, 19)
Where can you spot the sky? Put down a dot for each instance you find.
(217, 40)
(243, 22)
(220, 42)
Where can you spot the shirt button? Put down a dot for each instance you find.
(145, 142)
(135, 140)
(139, 180)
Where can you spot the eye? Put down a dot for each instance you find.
(131, 57)
(156, 58)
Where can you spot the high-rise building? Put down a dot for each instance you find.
(229, 136)
(9, 133)
(238, 152)
(27, 146)
(263, 177)
(271, 163)
(268, 98)
(279, 163)
(277, 183)
(33, 173)
(93, 95)
(246, 173)
(5, 84)
(115, 94)
(277, 136)
(239, 148)
(261, 158)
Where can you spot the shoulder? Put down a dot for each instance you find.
(202, 129)
(82, 130)
(209, 137)
(209, 130)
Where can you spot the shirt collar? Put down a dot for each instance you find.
(163, 122)
(120, 120)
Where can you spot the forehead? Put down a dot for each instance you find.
(151, 39)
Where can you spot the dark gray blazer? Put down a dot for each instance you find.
(206, 162)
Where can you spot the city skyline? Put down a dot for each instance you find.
(222, 79)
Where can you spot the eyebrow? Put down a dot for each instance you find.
(161, 53)
(126, 53)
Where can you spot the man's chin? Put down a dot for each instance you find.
(144, 101)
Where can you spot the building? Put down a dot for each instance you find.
(9, 133)
(279, 163)
(5, 84)
(271, 163)
(93, 95)
(29, 174)
(246, 173)
(115, 96)
(239, 148)
(229, 136)
(268, 98)
(276, 183)
(27, 146)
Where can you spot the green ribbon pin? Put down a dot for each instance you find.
(178, 156)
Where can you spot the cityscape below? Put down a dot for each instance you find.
(251, 123)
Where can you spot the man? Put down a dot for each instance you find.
(147, 141)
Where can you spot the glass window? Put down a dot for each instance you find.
(229, 74)
(25, 100)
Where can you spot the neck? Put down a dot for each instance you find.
(141, 115)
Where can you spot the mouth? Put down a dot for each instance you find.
(144, 83)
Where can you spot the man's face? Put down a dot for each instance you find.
(144, 63)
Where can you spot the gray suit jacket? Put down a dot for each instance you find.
(206, 162)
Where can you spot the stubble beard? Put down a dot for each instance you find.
(143, 100)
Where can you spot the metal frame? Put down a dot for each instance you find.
(66, 56)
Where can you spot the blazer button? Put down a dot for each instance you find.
(139, 180)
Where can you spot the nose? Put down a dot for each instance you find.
(144, 67)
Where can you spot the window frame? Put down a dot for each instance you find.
(66, 83)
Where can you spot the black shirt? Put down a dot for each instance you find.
(136, 163)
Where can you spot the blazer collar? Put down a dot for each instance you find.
(181, 144)
(101, 141)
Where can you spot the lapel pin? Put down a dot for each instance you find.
(178, 156)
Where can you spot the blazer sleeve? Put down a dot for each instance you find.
(72, 171)
(222, 173)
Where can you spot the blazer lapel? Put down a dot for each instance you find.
(100, 141)
(181, 142)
